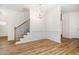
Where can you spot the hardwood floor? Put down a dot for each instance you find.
(43, 47)
(3, 42)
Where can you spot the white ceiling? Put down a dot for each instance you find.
(18, 7)
(65, 7)
(69, 7)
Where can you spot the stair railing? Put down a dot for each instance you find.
(21, 30)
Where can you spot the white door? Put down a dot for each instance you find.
(71, 25)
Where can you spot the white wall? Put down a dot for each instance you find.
(3, 27)
(71, 25)
(37, 25)
(65, 25)
(54, 23)
(14, 18)
(48, 26)
(3, 30)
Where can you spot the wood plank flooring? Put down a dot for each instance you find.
(43, 47)
(3, 42)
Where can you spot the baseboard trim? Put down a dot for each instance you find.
(75, 38)
(3, 36)
(66, 38)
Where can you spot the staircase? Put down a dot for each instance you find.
(30, 37)
(25, 38)
(23, 34)
(22, 31)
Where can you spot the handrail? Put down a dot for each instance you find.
(18, 27)
(21, 24)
